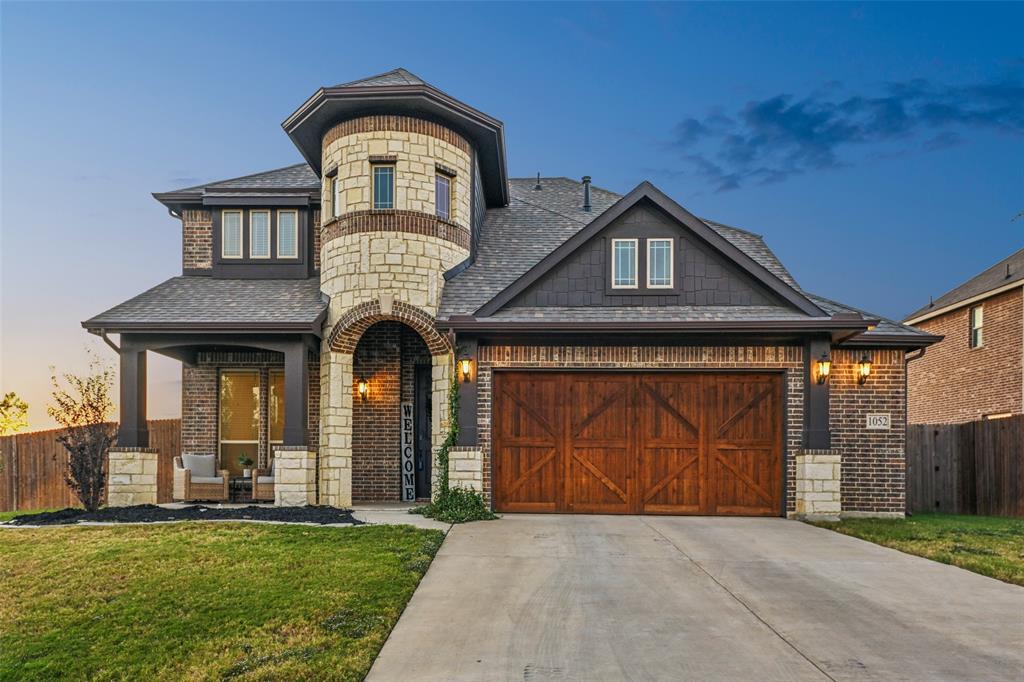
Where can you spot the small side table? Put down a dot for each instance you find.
(240, 489)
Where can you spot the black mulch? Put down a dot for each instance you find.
(148, 513)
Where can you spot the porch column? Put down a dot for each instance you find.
(133, 431)
(336, 437)
(441, 379)
(816, 429)
(467, 348)
(296, 399)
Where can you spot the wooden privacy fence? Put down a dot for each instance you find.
(972, 468)
(34, 466)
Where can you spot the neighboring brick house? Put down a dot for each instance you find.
(611, 353)
(977, 370)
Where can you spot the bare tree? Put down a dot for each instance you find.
(84, 409)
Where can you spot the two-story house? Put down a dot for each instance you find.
(977, 370)
(611, 353)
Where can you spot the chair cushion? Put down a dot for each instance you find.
(217, 480)
(263, 479)
(200, 465)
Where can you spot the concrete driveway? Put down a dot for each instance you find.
(534, 597)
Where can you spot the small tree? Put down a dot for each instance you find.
(84, 409)
(13, 414)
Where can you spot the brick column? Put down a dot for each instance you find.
(131, 476)
(336, 423)
(294, 476)
(817, 484)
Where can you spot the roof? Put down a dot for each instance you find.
(296, 176)
(1006, 272)
(191, 303)
(397, 76)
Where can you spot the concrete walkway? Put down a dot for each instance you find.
(534, 597)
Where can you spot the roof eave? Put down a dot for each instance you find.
(920, 316)
(469, 323)
(315, 327)
(906, 341)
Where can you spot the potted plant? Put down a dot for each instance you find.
(246, 463)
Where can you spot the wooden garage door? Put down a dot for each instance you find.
(638, 443)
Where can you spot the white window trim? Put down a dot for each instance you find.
(451, 196)
(636, 264)
(296, 244)
(335, 197)
(373, 185)
(241, 232)
(252, 232)
(980, 328)
(671, 263)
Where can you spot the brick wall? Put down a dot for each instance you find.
(788, 358)
(196, 240)
(954, 383)
(199, 397)
(873, 462)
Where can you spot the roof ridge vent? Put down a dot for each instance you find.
(586, 193)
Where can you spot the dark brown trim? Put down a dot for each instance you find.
(816, 398)
(907, 341)
(466, 323)
(647, 191)
(197, 272)
(315, 327)
(467, 348)
(243, 200)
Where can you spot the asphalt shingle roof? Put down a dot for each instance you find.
(1006, 271)
(394, 77)
(229, 302)
(297, 176)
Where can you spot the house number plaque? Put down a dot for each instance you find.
(879, 422)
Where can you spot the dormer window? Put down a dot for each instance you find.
(231, 238)
(287, 234)
(383, 186)
(659, 264)
(259, 234)
(624, 263)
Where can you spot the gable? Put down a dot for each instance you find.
(702, 276)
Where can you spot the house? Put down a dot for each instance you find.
(612, 354)
(977, 370)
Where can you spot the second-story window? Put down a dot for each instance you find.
(231, 234)
(624, 263)
(383, 186)
(977, 316)
(259, 234)
(443, 196)
(287, 234)
(659, 263)
(335, 197)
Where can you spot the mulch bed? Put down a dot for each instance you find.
(150, 513)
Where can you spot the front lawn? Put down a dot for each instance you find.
(203, 601)
(988, 545)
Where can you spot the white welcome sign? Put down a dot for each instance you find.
(408, 450)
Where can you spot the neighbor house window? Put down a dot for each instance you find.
(624, 263)
(239, 418)
(383, 186)
(977, 316)
(259, 234)
(231, 234)
(335, 197)
(275, 408)
(443, 192)
(659, 263)
(287, 234)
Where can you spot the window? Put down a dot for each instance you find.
(287, 234)
(335, 197)
(275, 408)
(443, 198)
(231, 234)
(624, 263)
(259, 234)
(239, 418)
(977, 322)
(383, 186)
(659, 263)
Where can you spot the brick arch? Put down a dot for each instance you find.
(355, 322)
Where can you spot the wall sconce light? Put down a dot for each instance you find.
(465, 366)
(863, 369)
(364, 388)
(824, 366)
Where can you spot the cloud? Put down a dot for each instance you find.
(773, 139)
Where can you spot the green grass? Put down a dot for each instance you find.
(8, 515)
(203, 601)
(988, 545)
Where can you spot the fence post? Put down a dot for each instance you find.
(15, 478)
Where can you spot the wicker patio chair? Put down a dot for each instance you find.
(196, 478)
(263, 483)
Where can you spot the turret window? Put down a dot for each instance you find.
(443, 200)
(335, 197)
(383, 186)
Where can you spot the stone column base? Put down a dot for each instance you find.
(131, 476)
(817, 485)
(466, 467)
(294, 476)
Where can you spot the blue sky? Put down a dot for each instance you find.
(877, 147)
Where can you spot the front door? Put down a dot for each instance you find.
(422, 411)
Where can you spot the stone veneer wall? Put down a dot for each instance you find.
(786, 358)
(199, 399)
(954, 383)
(294, 475)
(818, 485)
(196, 239)
(466, 467)
(131, 476)
(873, 462)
